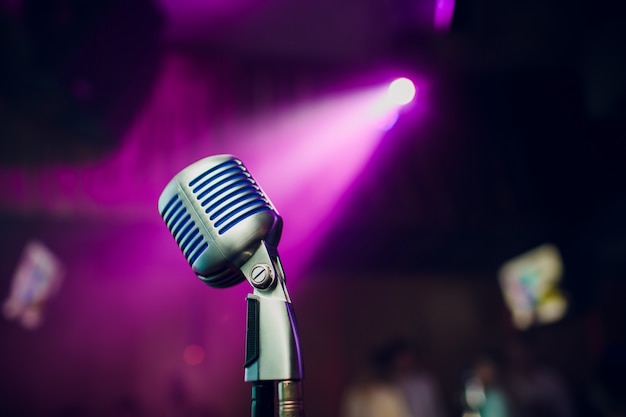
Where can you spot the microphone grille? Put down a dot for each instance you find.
(218, 215)
(192, 243)
(228, 194)
(184, 229)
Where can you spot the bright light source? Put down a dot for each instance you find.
(401, 91)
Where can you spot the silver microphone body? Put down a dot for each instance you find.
(228, 231)
(218, 215)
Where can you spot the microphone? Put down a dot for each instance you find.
(228, 231)
(218, 215)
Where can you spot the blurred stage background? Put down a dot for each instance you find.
(516, 138)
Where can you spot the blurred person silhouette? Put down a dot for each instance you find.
(536, 389)
(419, 387)
(485, 393)
(393, 386)
(374, 393)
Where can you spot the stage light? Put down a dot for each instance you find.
(529, 283)
(37, 278)
(401, 91)
(444, 12)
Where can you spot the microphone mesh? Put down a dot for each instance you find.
(207, 200)
(228, 194)
(184, 229)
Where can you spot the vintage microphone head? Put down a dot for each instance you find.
(219, 216)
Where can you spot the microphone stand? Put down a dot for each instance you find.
(273, 359)
(263, 399)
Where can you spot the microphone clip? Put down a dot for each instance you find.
(265, 273)
(272, 341)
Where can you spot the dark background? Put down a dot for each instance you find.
(524, 144)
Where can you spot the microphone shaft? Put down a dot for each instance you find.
(290, 403)
(272, 341)
(263, 399)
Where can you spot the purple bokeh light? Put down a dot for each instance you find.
(444, 12)
(193, 354)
